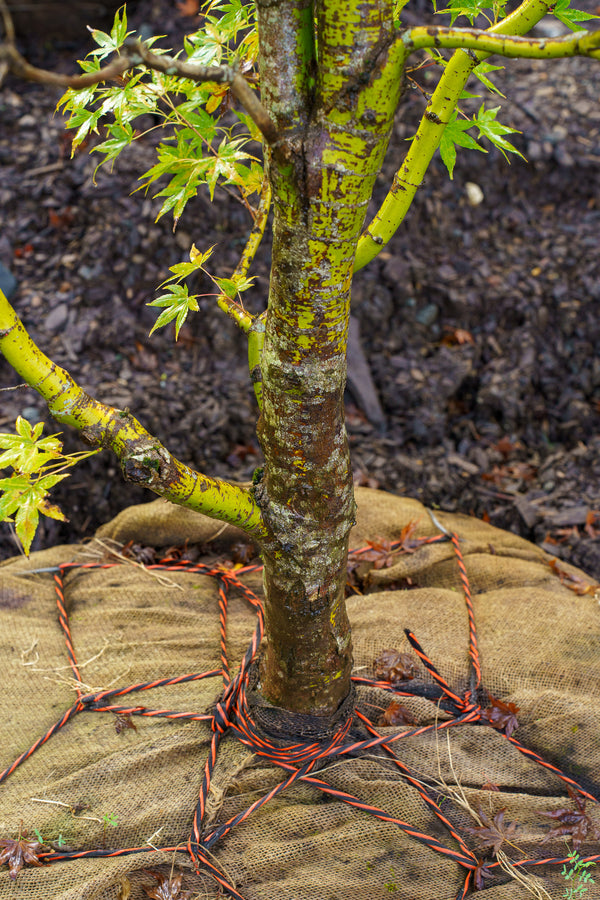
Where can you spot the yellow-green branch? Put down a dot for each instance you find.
(239, 315)
(257, 233)
(143, 458)
(410, 176)
(582, 43)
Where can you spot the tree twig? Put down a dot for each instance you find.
(135, 53)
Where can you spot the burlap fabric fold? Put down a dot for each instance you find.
(94, 786)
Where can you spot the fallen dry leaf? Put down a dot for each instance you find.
(396, 714)
(18, 852)
(393, 666)
(457, 336)
(124, 721)
(188, 7)
(574, 582)
(572, 823)
(493, 832)
(166, 888)
(501, 715)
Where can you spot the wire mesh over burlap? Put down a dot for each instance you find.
(393, 817)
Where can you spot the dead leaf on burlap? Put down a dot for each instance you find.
(572, 823)
(396, 714)
(501, 715)
(124, 721)
(480, 874)
(490, 786)
(124, 888)
(574, 582)
(167, 888)
(493, 832)
(393, 666)
(18, 852)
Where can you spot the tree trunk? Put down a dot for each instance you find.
(335, 130)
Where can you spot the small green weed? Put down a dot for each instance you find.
(391, 886)
(60, 842)
(578, 872)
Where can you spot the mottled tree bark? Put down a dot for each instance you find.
(331, 85)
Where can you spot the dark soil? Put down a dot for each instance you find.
(479, 324)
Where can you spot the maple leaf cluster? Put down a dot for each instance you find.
(381, 554)
(573, 823)
(18, 852)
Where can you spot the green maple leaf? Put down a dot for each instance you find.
(455, 134)
(494, 131)
(25, 450)
(468, 8)
(570, 17)
(481, 72)
(109, 43)
(25, 498)
(177, 303)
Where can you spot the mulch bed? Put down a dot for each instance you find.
(479, 324)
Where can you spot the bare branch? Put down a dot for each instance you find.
(135, 53)
(19, 67)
